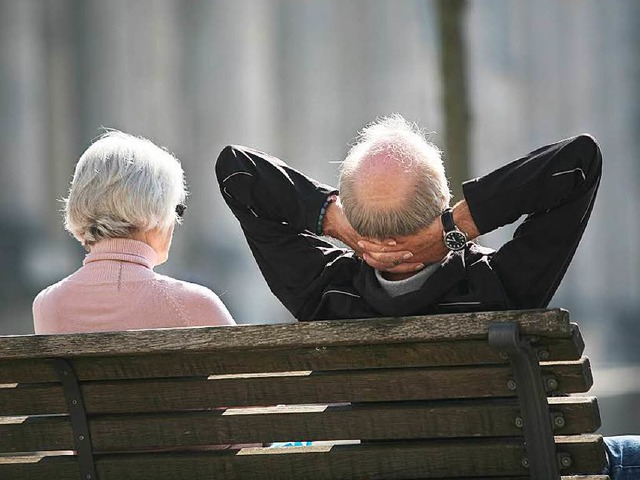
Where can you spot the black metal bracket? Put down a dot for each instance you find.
(529, 385)
(78, 414)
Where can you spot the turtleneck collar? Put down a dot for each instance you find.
(395, 288)
(124, 250)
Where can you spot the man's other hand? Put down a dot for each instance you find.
(337, 226)
(405, 254)
(412, 252)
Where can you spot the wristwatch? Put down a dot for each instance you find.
(454, 239)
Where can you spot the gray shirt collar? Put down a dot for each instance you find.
(396, 288)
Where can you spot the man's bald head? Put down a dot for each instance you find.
(392, 182)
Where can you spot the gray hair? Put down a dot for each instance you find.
(123, 184)
(404, 144)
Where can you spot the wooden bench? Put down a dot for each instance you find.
(429, 397)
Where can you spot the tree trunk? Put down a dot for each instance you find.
(455, 102)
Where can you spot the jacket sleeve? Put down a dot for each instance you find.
(555, 187)
(278, 209)
(270, 187)
(539, 181)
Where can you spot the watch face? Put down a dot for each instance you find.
(455, 240)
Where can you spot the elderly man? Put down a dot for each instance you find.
(411, 254)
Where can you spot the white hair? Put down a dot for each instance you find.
(404, 144)
(123, 184)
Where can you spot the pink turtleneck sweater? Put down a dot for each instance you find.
(117, 289)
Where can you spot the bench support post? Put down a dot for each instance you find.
(78, 414)
(538, 431)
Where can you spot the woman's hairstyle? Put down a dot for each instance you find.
(404, 144)
(123, 184)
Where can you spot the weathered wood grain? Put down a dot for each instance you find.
(563, 477)
(585, 477)
(147, 392)
(380, 460)
(36, 467)
(590, 459)
(23, 435)
(286, 388)
(572, 377)
(65, 468)
(581, 414)
(553, 323)
(177, 364)
(386, 421)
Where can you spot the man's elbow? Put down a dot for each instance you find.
(589, 152)
(226, 163)
(586, 142)
(235, 174)
(227, 155)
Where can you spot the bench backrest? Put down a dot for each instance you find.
(422, 397)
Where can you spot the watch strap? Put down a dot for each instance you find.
(447, 220)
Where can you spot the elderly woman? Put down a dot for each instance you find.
(125, 198)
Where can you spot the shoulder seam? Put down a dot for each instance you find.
(173, 301)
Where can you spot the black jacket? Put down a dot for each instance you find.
(278, 208)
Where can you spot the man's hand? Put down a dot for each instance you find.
(426, 246)
(420, 249)
(337, 226)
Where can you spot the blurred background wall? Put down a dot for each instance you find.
(299, 78)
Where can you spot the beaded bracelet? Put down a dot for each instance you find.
(323, 212)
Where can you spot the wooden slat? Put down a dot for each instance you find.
(61, 470)
(563, 477)
(585, 477)
(380, 460)
(28, 370)
(35, 467)
(572, 377)
(410, 420)
(286, 388)
(577, 340)
(587, 453)
(581, 414)
(35, 434)
(206, 363)
(423, 354)
(248, 337)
